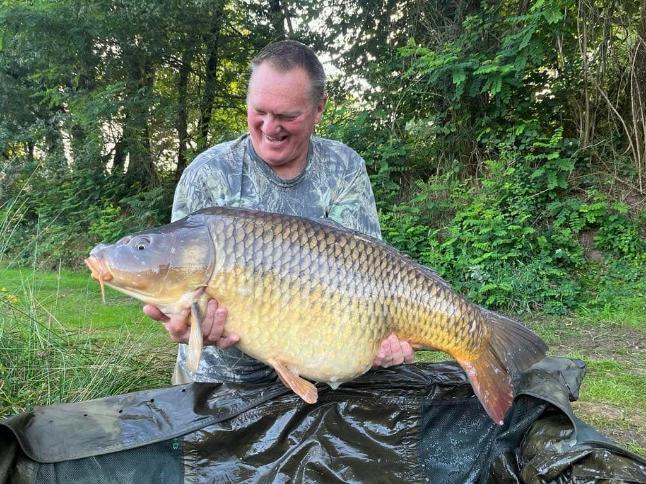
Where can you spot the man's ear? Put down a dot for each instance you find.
(320, 107)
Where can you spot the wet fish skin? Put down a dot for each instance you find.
(315, 301)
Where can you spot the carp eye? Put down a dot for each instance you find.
(140, 243)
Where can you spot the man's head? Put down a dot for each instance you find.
(285, 100)
(286, 55)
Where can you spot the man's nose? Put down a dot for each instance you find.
(270, 124)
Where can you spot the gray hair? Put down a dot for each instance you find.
(286, 55)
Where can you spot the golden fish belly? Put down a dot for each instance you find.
(318, 332)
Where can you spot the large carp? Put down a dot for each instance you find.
(313, 300)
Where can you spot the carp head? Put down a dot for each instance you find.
(159, 266)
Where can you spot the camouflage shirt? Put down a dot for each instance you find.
(334, 184)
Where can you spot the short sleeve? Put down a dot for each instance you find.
(354, 206)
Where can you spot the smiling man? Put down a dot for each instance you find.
(282, 111)
(279, 166)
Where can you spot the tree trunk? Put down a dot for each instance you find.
(182, 112)
(55, 148)
(119, 160)
(206, 106)
(585, 113)
(277, 18)
(638, 99)
(136, 133)
(84, 153)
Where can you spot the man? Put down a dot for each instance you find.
(278, 167)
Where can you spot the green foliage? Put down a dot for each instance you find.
(108, 225)
(471, 118)
(137, 212)
(621, 236)
(485, 101)
(57, 216)
(514, 241)
(409, 225)
(486, 78)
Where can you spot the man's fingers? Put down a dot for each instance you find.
(177, 326)
(216, 316)
(216, 319)
(153, 312)
(409, 352)
(384, 354)
(208, 320)
(379, 358)
(228, 341)
(217, 333)
(393, 351)
(396, 354)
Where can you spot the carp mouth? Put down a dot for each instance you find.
(99, 272)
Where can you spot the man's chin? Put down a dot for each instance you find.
(275, 147)
(274, 156)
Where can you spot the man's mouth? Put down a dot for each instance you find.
(276, 139)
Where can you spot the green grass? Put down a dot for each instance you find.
(71, 297)
(60, 343)
(611, 344)
(610, 382)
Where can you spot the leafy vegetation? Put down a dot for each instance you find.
(495, 153)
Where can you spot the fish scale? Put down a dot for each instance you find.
(313, 300)
(358, 268)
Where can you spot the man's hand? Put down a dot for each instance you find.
(212, 324)
(393, 351)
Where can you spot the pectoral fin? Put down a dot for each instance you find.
(303, 388)
(195, 338)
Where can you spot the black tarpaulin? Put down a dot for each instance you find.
(413, 423)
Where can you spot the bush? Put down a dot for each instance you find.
(514, 241)
(55, 216)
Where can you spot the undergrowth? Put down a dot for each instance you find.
(528, 237)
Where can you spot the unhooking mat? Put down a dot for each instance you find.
(412, 423)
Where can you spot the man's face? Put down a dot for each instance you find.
(281, 116)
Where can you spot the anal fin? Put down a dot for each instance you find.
(303, 388)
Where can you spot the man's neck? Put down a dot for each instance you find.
(290, 170)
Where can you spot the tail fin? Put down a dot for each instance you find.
(511, 349)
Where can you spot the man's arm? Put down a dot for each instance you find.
(354, 206)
